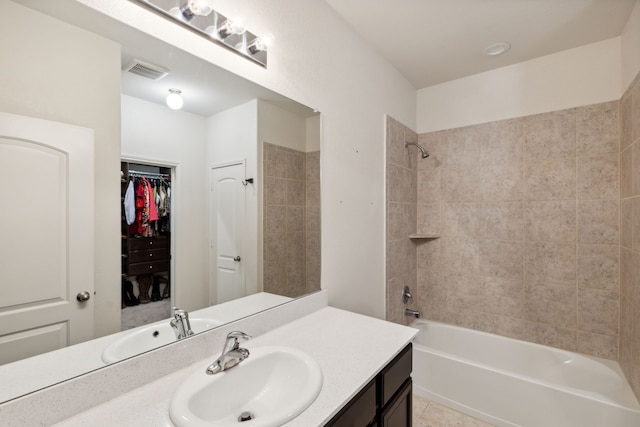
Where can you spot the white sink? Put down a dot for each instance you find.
(274, 384)
(149, 337)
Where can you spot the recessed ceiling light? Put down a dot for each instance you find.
(497, 49)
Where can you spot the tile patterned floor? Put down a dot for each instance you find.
(431, 414)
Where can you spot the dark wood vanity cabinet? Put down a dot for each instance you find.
(385, 402)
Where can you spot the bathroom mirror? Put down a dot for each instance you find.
(211, 96)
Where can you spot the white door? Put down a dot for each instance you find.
(46, 229)
(227, 223)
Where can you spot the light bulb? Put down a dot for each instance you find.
(257, 45)
(230, 27)
(200, 7)
(174, 99)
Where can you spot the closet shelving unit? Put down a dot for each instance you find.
(144, 255)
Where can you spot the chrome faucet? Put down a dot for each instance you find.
(180, 323)
(231, 354)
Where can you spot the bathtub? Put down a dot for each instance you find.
(508, 382)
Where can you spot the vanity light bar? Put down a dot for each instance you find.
(198, 17)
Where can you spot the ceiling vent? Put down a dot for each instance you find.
(146, 69)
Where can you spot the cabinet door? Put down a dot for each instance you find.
(360, 412)
(398, 412)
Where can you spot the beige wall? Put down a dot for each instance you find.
(630, 232)
(527, 211)
(61, 73)
(401, 206)
(291, 221)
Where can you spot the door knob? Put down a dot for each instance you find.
(83, 296)
(237, 259)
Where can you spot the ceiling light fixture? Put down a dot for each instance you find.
(199, 16)
(198, 7)
(174, 99)
(497, 49)
(229, 28)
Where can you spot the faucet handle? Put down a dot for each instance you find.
(238, 334)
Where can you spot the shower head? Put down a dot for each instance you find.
(420, 147)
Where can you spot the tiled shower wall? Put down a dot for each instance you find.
(528, 214)
(630, 235)
(401, 217)
(291, 247)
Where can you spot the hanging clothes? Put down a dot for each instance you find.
(130, 204)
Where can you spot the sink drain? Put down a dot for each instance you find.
(245, 416)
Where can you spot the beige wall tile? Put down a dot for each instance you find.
(550, 179)
(296, 165)
(483, 257)
(635, 167)
(484, 294)
(598, 267)
(491, 220)
(598, 177)
(401, 255)
(635, 224)
(598, 221)
(625, 120)
(275, 219)
(295, 218)
(397, 154)
(275, 161)
(597, 129)
(550, 264)
(275, 191)
(295, 245)
(551, 335)
(312, 193)
(430, 293)
(553, 221)
(598, 345)
(553, 305)
(401, 184)
(598, 311)
(429, 218)
(295, 192)
(626, 223)
(635, 113)
(551, 135)
(500, 220)
(312, 218)
(312, 245)
(627, 273)
(626, 172)
(492, 323)
(312, 166)
(430, 254)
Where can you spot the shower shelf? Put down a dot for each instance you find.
(423, 236)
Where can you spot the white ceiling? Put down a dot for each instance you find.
(433, 41)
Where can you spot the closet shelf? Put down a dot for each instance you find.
(423, 236)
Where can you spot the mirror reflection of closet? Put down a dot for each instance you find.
(146, 243)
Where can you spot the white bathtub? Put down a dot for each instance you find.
(509, 382)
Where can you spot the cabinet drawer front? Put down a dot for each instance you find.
(147, 267)
(395, 374)
(148, 255)
(138, 243)
(361, 411)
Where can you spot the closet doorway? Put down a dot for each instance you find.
(147, 194)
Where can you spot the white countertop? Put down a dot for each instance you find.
(350, 348)
(26, 375)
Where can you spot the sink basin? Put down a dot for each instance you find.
(149, 337)
(274, 385)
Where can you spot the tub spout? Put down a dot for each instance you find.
(412, 313)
